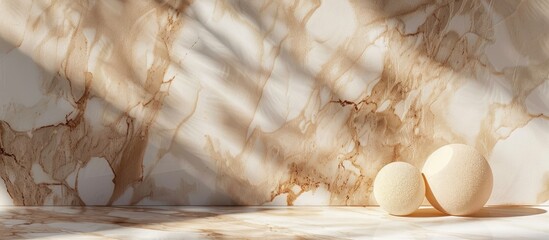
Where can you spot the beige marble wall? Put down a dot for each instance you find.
(265, 102)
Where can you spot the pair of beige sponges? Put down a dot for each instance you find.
(456, 179)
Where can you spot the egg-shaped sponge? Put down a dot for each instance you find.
(399, 188)
(458, 178)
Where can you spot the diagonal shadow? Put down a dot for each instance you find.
(230, 119)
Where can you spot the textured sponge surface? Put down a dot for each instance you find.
(399, 188)
(459, 179)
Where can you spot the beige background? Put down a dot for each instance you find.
(265, 102)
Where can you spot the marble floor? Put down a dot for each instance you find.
(530, 222)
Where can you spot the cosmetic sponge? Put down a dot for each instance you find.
(458, 179)
(399, 188)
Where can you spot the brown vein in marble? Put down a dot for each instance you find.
(71, 143)
(366, 136)
(409, 139)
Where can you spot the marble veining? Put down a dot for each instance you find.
(267, 223)
(267, 102)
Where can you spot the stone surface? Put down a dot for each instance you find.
(267, 223)
(265, 102)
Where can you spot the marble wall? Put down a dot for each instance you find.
(265, 102)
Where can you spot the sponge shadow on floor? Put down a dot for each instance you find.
(486, 212)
